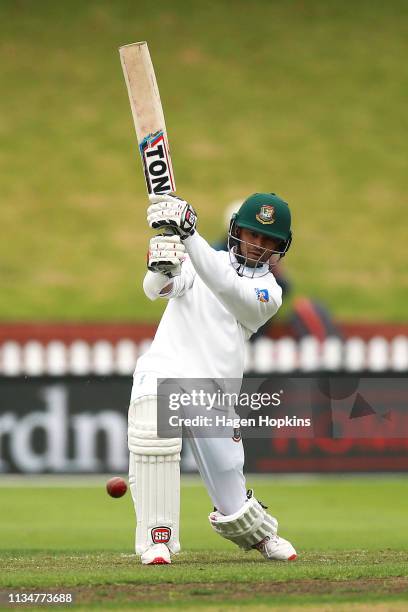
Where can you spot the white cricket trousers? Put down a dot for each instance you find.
(220, 460)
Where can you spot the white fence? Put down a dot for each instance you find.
(263, 356)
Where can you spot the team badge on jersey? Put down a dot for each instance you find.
(265, 215)
(262, 295)
(161, 535)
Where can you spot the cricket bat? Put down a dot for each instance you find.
(148, 117)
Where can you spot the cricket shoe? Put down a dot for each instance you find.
(157, 554)
(275, 548)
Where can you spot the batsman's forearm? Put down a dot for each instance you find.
(156, 284)
(236, 293)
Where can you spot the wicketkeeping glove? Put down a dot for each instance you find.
(171, 212)
(166, 254)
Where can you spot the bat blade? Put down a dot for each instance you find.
(148, 117)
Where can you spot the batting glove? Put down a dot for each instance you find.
(166, 254)
(171, 212)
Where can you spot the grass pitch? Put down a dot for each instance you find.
(304, 98)
(350, 534)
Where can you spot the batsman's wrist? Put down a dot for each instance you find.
(185, 236)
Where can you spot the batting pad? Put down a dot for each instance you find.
(154, 478)
(247, 527)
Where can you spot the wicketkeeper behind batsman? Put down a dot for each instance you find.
(216, 301)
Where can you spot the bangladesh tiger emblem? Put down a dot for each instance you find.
(266, 214)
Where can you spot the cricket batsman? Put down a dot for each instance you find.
(216, 301)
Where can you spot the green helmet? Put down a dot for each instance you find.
(265, 213)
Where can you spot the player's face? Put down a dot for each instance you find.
(256, 248)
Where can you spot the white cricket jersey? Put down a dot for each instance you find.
(211, 312)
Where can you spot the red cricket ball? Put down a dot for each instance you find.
(116, 486)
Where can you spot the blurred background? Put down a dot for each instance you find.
(307, 99)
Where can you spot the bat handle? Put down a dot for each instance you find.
(169, 231)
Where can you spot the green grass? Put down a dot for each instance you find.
(350, 534)
(305, 98)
